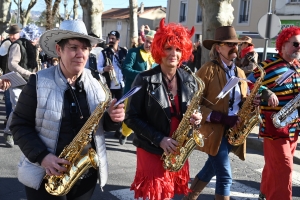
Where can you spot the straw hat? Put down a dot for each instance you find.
(247, 39)
(222, 34)
(67, 29)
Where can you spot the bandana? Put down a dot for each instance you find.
(246, 50)
(147, 57)
(30, 32)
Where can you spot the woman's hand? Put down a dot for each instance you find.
(4, 84)
(196, 118)
(116, 113)
(54, 165)
(256, 100)
(168, 145)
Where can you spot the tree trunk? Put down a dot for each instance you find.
(75, 9)
(92, 15)
(133, 20)
(216, 13)
(49, 24)
(4, 15)
(25, 14)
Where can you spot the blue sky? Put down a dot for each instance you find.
(108, 4)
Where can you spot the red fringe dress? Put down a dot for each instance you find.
(152, 181)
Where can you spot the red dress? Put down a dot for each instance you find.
(152, 181)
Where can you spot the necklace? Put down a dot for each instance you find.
(170, 87)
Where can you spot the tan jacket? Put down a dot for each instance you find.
(215, 79)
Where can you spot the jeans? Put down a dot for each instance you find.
(14, 96)
(218, 166)
(8, 107)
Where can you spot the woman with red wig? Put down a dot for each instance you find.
(155, 111)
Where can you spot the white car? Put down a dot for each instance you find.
(271, 52)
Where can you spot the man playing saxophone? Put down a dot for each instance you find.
(219, 115)
(280, 143)
(155, 111)
(109, 65)
(54, 107)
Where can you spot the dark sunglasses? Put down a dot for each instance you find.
(296, 44)
(229, 44)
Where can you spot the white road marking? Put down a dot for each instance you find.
(238, 190)
(295, 178)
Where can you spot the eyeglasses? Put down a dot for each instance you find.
(296, 44)
(229, 44)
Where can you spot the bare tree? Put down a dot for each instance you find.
(25, 14)
(216, 13)
(4, 14)
(75, 9)
(133, 5)
(51, 13)
(92, 15)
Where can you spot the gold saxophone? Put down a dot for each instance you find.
(186, 136)
(61, 185)
(248, 114)
(112, 73)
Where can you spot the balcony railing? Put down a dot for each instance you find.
(199, 18)
(243, 18)
(182, 19)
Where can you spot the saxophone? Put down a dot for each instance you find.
(248, 114)
(186, 136)
(287, 114)
(112, 73)
(61, 185)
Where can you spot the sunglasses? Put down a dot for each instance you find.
(296, 44)
(229, 44)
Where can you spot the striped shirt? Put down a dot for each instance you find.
(274, 68)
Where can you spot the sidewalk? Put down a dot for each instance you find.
(257, 143)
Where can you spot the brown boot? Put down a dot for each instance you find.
(220, 197)
(196, 187)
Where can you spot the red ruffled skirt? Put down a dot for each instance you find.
(152, 181)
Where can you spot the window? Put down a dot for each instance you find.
(119, 25)
(183, 7)
(244, 11)
(199, 14)
(295, 1)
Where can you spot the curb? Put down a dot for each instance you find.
(256, 143)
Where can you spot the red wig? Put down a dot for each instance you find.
(285, 35)
(172, 35)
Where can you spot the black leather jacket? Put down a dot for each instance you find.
(148, 111)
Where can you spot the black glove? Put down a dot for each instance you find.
(217, 117)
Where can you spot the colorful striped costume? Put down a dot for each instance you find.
(274, 68)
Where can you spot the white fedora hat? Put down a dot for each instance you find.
(67, 29)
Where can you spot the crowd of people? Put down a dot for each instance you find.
(73, 75)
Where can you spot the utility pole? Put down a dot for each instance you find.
(268, 30)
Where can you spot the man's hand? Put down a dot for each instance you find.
(273, 101)
(4, 84)
(147, 28)
(108, 68)
(54, 165)
(116, 113)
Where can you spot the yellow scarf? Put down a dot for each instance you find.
(147, 57)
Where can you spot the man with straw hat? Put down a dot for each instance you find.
(246, 50)
(220, 114)
(53, 106)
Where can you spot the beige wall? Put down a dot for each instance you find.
(258, 8)
(112, 25)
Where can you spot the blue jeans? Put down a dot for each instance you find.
(8, 107)
(218, 166)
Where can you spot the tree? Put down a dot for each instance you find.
(4, 14)
(51, 13)
(215, 13)
(133, 7)
(25, 14)
(92, 15)
(75, 9)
